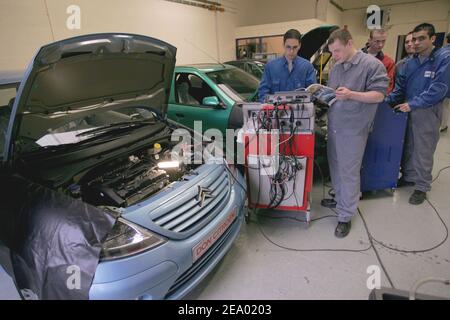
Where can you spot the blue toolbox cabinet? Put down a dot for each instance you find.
(381, 164)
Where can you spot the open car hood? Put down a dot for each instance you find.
(95, 72)
(313, 40)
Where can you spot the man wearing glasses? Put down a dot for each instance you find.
(289, 72)
(420, 89)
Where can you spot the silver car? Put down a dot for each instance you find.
(88, 123)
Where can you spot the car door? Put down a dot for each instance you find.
(190, 90)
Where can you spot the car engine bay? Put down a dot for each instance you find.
(127, 180)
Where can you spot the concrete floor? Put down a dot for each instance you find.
(256, 269)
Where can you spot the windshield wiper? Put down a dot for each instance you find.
(116, 127)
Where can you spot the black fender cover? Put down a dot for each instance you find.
(55, 240)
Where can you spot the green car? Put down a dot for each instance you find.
(210, 93)
(254, 67)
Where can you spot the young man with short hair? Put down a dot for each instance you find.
(289, 72)
(361, 82)
(446, 104)
(420, 90)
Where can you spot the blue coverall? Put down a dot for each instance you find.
(277, 77)
(423, 85)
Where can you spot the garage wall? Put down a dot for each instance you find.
(334, 15)
(402, 19)
(266, 18)
(277, 28)
(200, 35)
(25, 26)
(257, 12)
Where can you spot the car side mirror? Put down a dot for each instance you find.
(212, 102)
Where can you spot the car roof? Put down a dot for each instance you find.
(10, 76)
(263, 61)
(205, 67)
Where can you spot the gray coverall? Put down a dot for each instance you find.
(422, 137)
(349, 124)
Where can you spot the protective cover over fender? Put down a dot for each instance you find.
(55, 240)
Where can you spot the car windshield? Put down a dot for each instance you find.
(46, 130)
(240, 81)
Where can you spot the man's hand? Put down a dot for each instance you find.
(403, 107)
(342, 93)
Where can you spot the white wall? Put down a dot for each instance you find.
(277, 28)
(24, 27)
(257, 12)
(266, 18)
(334, 15)
(402, 19)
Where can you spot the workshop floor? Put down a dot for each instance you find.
(257, 269)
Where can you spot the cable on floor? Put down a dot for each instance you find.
(371, 239)
(293, 218)
(439, 172)
(306, 249)
(303, 249)
(419, 250)
(414, 251)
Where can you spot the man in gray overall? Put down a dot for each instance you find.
(421, 87)
(361, 83)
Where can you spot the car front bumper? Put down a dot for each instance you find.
(168, 271)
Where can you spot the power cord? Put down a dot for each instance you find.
(439, 172)
(440, 218)
(371, 239)
(304, 249)
(419, 250)
(235, 179)
(294, 219)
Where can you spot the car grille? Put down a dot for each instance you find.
(191, 213)
(199, 264)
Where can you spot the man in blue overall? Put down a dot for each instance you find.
(289, 72)
(420, 89)
(446, 103)
(361, 83)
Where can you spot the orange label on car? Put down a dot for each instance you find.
(209, 240)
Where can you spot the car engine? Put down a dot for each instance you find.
(124, 182)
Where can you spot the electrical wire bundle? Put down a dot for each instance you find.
(288, 165)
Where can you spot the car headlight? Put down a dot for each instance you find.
(127, 239)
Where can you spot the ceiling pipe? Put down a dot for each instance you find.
(390, 4)
(212, 6)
